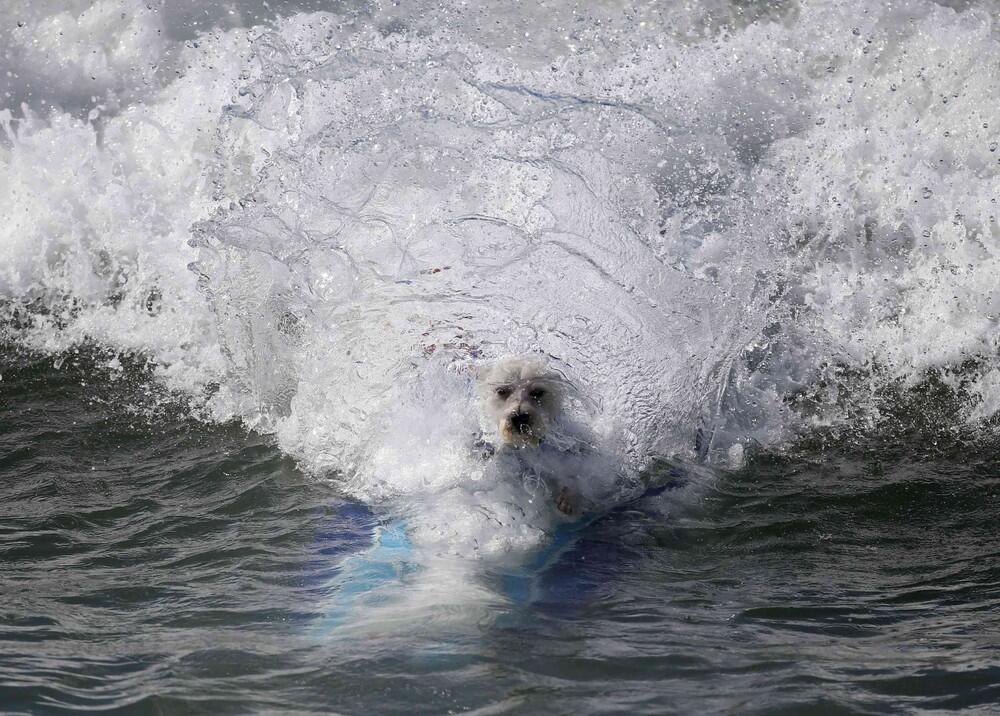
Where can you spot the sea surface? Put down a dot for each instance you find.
(255, 257)
(161, 566)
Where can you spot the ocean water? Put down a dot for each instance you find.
(254, 256)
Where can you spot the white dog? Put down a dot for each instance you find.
(523, 399)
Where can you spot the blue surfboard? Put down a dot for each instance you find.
(374, 574)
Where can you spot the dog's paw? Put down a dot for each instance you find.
(568, 502)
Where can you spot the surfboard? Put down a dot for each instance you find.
(375, 574)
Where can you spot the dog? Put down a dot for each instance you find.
(523, 400)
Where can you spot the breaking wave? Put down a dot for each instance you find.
(754, 219)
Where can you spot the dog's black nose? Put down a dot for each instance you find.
(520, 422)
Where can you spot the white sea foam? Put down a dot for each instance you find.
(695, 212)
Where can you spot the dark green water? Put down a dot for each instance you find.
(150, 563)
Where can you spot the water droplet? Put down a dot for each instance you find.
(927, 193)
(893, 87)
(856, 31)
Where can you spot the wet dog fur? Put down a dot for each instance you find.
(523, 399)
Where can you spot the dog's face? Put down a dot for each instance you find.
(522, 398)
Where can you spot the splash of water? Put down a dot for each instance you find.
(746, 217)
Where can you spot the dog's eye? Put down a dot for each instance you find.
(537, 394)
(503, 392)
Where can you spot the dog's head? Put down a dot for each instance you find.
(522, 398)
